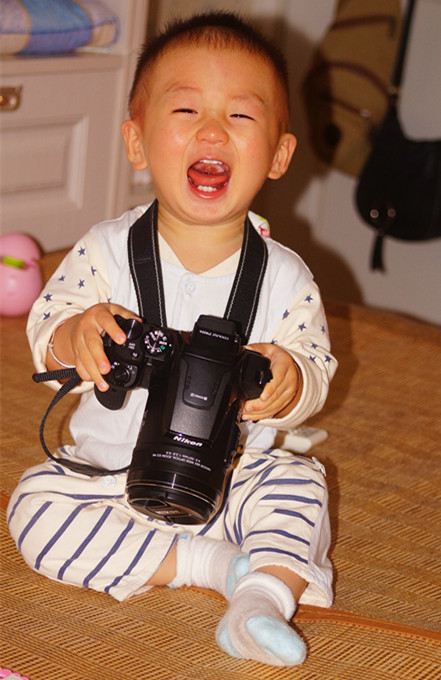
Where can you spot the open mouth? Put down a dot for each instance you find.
(209, 176)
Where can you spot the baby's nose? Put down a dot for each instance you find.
(212, 131)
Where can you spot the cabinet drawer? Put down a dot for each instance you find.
(58, 148)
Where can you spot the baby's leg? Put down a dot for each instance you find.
(278, 511)
(206, 563)
(80, 531)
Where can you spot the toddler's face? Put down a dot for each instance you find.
(211, 132)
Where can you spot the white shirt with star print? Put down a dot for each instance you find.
(290, 313)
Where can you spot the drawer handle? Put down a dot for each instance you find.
(10, 98)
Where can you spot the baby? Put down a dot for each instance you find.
(209, 118)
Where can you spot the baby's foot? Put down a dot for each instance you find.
(256, 623)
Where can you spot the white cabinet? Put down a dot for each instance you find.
(62, 161)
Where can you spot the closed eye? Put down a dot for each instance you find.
(241, 115)
(184, 110)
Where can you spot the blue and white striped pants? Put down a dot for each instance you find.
(81, 530)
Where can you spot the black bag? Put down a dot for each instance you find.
(399, 189)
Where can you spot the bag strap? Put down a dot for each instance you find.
(397, 75)
(394, 92)
(145, 267)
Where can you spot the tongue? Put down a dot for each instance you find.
(209, 174)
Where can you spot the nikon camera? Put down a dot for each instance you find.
(189, 436)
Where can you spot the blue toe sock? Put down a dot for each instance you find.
(277, 639)
(239, 566)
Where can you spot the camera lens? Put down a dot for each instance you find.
(171, 498)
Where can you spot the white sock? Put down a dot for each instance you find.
(207, 563)
(256, 625)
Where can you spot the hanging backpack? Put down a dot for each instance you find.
(346, 88)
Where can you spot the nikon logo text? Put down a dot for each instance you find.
(183, 440)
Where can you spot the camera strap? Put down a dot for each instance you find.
(145, 267)
(72, 380)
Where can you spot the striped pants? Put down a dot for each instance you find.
(81, 530)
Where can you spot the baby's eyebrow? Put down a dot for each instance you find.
(177, 88)
(246, 97)
(252, 97)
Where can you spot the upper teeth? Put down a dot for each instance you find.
(206, 160)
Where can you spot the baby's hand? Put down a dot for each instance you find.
(279, 395)
(80, 337)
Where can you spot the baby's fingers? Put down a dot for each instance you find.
(271, 401)
(108, 324)
(90, 358)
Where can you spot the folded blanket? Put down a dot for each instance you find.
(51, 26)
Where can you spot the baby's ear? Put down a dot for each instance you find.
(282, 158)
(134, 148)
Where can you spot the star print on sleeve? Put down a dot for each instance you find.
(80, 281)
(302, 331)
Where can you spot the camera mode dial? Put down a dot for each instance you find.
(156, 342)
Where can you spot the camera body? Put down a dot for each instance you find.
(189, 435)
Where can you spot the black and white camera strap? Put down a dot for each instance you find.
(145, 267)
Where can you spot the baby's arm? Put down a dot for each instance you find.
(72, 311)
(301, 363)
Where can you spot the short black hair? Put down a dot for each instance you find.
(217, 29)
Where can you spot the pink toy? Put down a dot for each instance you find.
(6, 673)
(20, 277)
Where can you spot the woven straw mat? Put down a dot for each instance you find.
(383, 460)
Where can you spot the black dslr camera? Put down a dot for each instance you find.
(189, 435)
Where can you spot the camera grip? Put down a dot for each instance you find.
(113, 399)
(255, 372)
